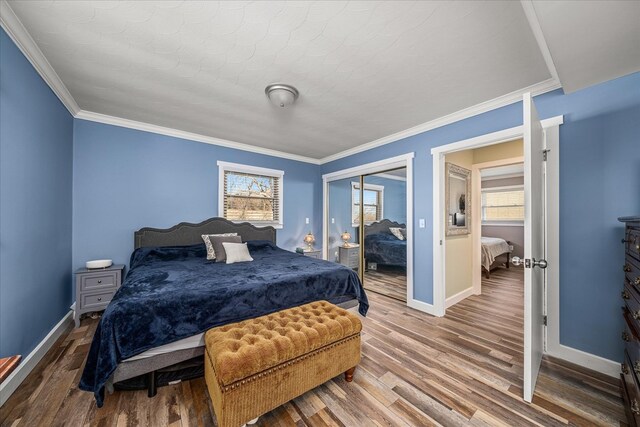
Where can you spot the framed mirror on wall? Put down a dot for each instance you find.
(458, 199)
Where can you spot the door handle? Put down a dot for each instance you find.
(529, 263)
(542, 263)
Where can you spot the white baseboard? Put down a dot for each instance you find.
(25, 367)
(422, 306)
(587, 360)
(454, 299)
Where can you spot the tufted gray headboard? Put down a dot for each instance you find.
(186, 233)
(381, 226)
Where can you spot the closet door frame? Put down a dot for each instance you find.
(402, 161)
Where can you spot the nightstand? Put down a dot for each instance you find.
(313, 253)
(349, 256)
(95, 288)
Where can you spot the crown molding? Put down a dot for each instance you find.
(176, 133)
(21, 37)
(501, 101)
(534, 23)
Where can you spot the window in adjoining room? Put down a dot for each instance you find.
(252, 194)
(373, 201)
(503, 205)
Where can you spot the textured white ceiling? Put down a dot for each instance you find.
(365, 70)
(591, 41)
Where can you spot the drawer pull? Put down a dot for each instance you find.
(625, 294)
(99, 281)
(637, 281)
(636, 315)
(636, 367)
(626, 268)
(625, 336)
(625, 370)
(635, 408)
(99, 298)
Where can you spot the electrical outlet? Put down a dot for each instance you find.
(306, 220)
(423, 224)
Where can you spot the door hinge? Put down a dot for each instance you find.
(440, 242)
(544, 155)
(544, 320)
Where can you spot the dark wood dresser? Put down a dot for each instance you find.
(631, 312)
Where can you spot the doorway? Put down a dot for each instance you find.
(541, 314)
(495, 207)
(368, 224)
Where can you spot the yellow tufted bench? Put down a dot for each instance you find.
(254, 366)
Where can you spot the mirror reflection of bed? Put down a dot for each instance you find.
(385, 254)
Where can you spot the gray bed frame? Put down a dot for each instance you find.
(184, 234)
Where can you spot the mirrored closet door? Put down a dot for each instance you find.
(366, 229)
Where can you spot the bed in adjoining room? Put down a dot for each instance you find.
(172, 295)
(492, 248)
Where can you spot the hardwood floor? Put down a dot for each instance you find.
(416, 370)
(391, 282)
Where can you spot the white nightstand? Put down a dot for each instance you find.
(311, 253)
(349, 256)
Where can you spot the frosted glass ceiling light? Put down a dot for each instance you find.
(281, 95)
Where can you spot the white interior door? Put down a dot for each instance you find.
(534, 246)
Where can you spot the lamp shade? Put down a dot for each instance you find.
(346, 236)
(309, 239)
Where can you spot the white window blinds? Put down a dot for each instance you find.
(372, 206)
(252, 197)
(503, 205)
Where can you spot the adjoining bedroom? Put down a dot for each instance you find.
(484, 190)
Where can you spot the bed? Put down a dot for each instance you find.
(382, 247)
(172, 295)
(492, 248)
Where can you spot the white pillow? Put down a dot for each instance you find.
(396, 232)
(236, 252)
(211, 254)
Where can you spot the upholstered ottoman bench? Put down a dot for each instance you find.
(254, 366)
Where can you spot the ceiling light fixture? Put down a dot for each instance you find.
(281, 95)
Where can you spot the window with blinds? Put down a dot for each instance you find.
(372, 206)
(248, 195)
(503, 204)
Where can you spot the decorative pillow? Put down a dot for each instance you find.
(396, 232)
(211, 253)
(236, 252)
(217, 242)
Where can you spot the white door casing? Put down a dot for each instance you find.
(534, 246)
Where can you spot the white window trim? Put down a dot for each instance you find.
(500, 223)
(237, 167)
(374, 187)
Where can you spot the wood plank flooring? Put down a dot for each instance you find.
(416, 370)
(391, 282)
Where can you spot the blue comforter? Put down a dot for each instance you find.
(171, 293)
(386, 249)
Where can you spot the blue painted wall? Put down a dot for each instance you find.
(599, 181)
(126, 179)
(36, 143)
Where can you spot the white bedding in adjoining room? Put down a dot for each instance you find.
(491, 248)
(183, 344)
